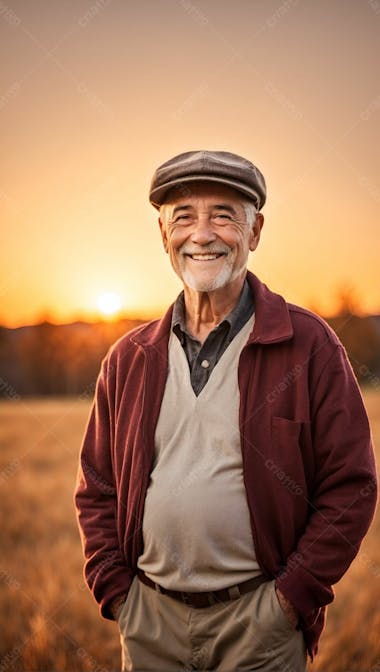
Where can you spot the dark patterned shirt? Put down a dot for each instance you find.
(203, 358)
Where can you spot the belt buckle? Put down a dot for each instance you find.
(234, 592)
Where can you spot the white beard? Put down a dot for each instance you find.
(222, 278)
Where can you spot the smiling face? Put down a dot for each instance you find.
(207, 235)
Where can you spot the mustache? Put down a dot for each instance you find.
(187, 248)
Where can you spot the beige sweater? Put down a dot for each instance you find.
(196, 527)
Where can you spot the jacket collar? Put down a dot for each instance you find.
(272, 319)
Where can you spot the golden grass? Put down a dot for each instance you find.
(49, 620)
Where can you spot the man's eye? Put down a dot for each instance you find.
(182, 218)
(222, 217)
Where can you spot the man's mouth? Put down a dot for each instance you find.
(206, 256)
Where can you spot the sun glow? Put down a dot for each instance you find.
(109, 303)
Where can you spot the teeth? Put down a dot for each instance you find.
(204, 257)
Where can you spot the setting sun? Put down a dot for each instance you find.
(109, 303)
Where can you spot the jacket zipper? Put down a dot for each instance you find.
(139, 502)
(252, 517)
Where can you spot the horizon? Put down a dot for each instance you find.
(123, 316)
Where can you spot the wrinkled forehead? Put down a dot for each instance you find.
(203, 192)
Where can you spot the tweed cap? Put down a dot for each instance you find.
(222, 167)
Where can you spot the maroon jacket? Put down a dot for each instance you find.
(308, 462)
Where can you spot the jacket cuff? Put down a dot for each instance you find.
(305, 593)
(118, 592)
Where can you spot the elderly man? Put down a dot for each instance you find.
(227, 475)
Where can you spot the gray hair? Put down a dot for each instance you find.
(250, 212)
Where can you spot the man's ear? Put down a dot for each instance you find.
(256, 231)
(163, 234)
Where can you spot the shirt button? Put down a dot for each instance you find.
(205, 364)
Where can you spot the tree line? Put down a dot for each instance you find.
(48, 359)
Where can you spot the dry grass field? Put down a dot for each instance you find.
(49, 620)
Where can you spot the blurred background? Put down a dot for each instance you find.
(94, 95)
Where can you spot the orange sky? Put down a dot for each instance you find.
(96, 94)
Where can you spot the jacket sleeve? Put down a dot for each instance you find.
(344, 497)
(105, 570)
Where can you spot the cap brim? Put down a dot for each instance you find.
(157, 196)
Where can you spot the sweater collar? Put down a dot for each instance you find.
(272, 319)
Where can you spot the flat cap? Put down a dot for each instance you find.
(222, 167)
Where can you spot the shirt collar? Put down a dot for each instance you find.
(273, 320)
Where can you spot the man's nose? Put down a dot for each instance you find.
(203, 231)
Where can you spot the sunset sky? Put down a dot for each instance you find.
(94, 95)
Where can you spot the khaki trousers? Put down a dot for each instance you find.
(252, 632)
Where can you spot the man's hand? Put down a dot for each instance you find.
(115, 606)
(288, 609)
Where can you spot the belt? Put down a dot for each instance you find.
(201, 600)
